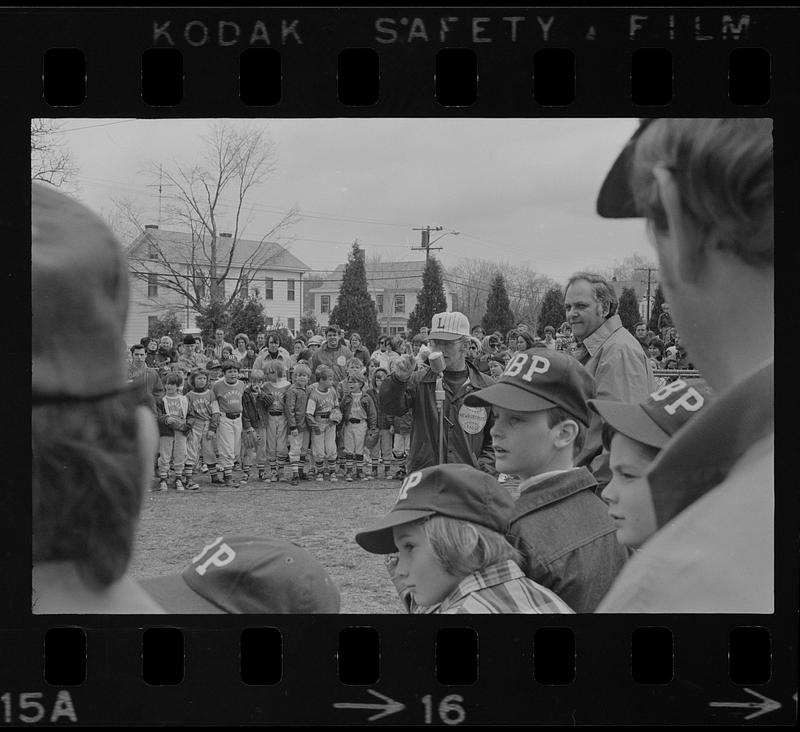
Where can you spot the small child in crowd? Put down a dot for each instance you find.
(634, 435)
(382, 451)
(358, 415)
(401, 442)
(322, 400)
(448, 526)
(559, 522)
(256, 403)
(203, 415)
(173, 410)
(277, 436)
(228, 392)
(295, 404)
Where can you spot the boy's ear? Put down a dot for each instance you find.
(565, 433)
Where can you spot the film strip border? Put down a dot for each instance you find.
(369, 62)
(535, 671)
(403, 62)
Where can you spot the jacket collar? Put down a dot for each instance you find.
(551, 490)
(702, 453)
(601, 335)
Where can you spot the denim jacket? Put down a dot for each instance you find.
(568, 542)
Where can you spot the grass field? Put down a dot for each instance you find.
(321, 517)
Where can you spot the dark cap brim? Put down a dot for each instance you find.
(508, 396)
(630, 420)
(175, 596)
(378, 538)
(615, 200)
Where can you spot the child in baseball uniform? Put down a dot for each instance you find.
(256, 404)
(358, 415)
(322, 400)
(448, 528)
(382, 450)
(228, 393)
(203, 416)
(276, 387)
(296, 424)
(172, 412)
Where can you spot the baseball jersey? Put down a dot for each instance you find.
(278, 391)
(320, 401)
(176, 406)
(202, 404)
(229, 396)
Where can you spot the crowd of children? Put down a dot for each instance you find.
(280, 421)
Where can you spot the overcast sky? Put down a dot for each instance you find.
(517, 190)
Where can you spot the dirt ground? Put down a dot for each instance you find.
(321, 517)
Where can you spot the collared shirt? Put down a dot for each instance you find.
(621, 373)
(501, 588)
(713, 492)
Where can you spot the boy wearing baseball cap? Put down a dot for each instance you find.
(448, 527)
(558, 523)
(634, 435)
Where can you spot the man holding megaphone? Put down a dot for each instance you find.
(444, 429)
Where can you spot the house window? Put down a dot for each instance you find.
(268, 321)
(244, 290)
(256, 293)
(152, 323)
(290, 289)
(399, 303)
(199, 285)
(291, 323)
(152, 249)
(152, 285)
(268, 288)
(324, 303)
(379, 301)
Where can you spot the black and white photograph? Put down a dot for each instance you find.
(393, 366)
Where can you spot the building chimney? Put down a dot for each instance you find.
(151, 226)
(226, 235)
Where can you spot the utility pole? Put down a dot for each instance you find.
(649, 270)
(426, 239)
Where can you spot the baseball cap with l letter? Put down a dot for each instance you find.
(449, 326)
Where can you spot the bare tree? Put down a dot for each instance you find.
(198, 197)
(51, 160)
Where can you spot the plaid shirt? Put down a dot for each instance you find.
(500, 588)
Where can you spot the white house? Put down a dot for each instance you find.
(393, 286)
(157, 255)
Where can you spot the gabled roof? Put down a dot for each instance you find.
(381, 275)
(177, 247)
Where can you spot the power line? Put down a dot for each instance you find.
(103, 124)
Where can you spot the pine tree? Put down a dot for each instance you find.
(655, 311)
(356, 309)
(210, 317)
(552, 312)
(246, 316)
(628, 309)
(169, 324)
(431, 299)
(498, 314)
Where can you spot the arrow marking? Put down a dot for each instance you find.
(764, 706)
(390, 706)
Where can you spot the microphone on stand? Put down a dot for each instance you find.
(436, 361)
